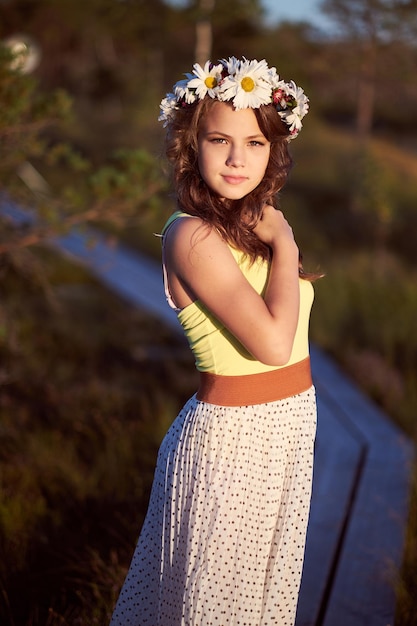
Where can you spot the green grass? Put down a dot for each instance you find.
(89, 386)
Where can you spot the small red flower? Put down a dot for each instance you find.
(277, 96)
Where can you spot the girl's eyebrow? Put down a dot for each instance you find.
(250, 137)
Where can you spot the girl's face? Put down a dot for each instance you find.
(233, 153)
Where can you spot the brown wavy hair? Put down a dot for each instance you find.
(234, 219)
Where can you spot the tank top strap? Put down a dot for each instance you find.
(171, 220)
(165, 230)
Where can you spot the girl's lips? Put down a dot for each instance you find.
(234, 180)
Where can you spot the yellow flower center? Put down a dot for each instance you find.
(247, 83)
(210, 82)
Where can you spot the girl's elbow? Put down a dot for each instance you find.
(277, 356)
(278, 361)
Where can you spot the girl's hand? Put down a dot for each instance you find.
(274, 230)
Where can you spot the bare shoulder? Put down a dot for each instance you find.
(192, 238)
(189, 227)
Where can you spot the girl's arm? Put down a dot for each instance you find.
(201, 267)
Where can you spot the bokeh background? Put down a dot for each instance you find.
(89, 384)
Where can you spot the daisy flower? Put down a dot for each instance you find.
(273, 77)
(299, 97)
(182, 92)
(204, 81)
(230, 65)
(168, 106)
(248, 86)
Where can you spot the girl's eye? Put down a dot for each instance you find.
(223, 140)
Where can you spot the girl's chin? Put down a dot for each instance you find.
(231, 196)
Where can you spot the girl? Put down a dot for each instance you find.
(224, 536)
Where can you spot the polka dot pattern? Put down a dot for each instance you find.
(223, 540)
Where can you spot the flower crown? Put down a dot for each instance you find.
(247, 84)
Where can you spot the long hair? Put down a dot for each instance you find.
(234, 219)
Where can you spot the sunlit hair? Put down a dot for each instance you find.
(234, 219)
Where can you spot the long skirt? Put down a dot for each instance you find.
(223, 540)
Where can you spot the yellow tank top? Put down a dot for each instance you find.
(215, 349)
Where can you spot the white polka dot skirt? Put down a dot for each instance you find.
(223, 540)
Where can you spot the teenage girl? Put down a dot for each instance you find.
(223, 540)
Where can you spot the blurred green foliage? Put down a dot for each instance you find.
(89, 386)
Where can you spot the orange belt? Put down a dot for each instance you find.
(255, 388)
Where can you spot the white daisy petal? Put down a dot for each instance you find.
(180, 88)
(251, 98)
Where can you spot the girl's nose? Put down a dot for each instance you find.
(236, 157)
